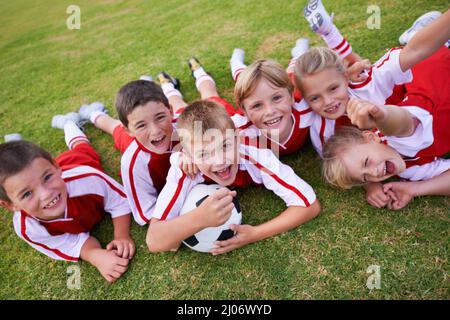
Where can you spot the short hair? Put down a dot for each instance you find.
(315, 60)
(210, 114)
(333, 167)
(138, 93)
(248, 79)
(15, 156)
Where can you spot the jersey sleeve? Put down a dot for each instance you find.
(384, 75)
(278, 177)
(141, 192)
(177, 187)
(426, 171)
(60, 247)
(421, 138)
(91, 180)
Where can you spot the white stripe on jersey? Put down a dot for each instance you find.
(138, 183)
(61, 247)
(84, 180)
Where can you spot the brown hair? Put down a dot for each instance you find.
(333, 168)
(315, 60)
(15, 156)
(248, 79)
(137, 93)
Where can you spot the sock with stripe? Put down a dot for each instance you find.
(337, 42)
(200, 76)
(72, 134)
(237, 64)
(169, 90)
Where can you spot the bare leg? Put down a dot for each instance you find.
(106, 123)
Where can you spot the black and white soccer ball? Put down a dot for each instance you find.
(203, 241)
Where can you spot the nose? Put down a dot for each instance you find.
(269, 109)
(45, 194)
(327, 99)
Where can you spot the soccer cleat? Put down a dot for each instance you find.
(194, 64)
(164, 77)
(86, 110)
(301, 46)
(420, 22)
(318, 18)
(146, 77)
(60, 120)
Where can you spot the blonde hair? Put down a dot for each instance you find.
(248, 79)
(333, 167)
(316, 60)
(209, 114)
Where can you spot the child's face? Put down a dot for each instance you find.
(217, 156)
(270, 109)
(326, 92)
(372, 161)
(39, 190)
(151, 125)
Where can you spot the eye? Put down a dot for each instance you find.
(366, 162)
(48, 177)
(313, 99)
(26, 195)
(277, 97)
(140, 126)
(255, 106)
(159, 118)
(334, 88)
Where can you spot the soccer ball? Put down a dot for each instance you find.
(203, 241)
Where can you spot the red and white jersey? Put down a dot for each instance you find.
(144, 175)
(90, 193)
(260, 166)
(301, 118)
(384, 85)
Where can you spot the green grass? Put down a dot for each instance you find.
(47, 69)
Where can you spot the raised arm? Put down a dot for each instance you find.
(426, 42)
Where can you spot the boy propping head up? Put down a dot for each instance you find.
(210, 140)
(57, 202)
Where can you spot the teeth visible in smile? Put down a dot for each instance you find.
(159, 139)
(274, 121)
(53, 202)
(223, 170)
(332, 109)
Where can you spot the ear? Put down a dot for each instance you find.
(370, 136)
(8, 206)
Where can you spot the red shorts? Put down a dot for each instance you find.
(82, 155)
(121, 139)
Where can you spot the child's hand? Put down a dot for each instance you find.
(364, 114)
(376, 196)
(123, 247)
(110, 265)
(245, 234)
(356, 71)
(404, 193)
(216, 209)
(187, 166)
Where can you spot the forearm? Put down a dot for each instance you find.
(426, 42)
(439, 185)
(290, 218)
(168, 234)
(398, 122)
(88, 250)
(122, 226)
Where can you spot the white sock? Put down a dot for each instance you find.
(170, 91)
(337, 42)
(301, 46)
(200, 76)
(237, 64)
(72, 134)
(94, 115)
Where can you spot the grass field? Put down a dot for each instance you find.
(47, 69)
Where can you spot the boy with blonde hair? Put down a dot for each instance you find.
(209, 138)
